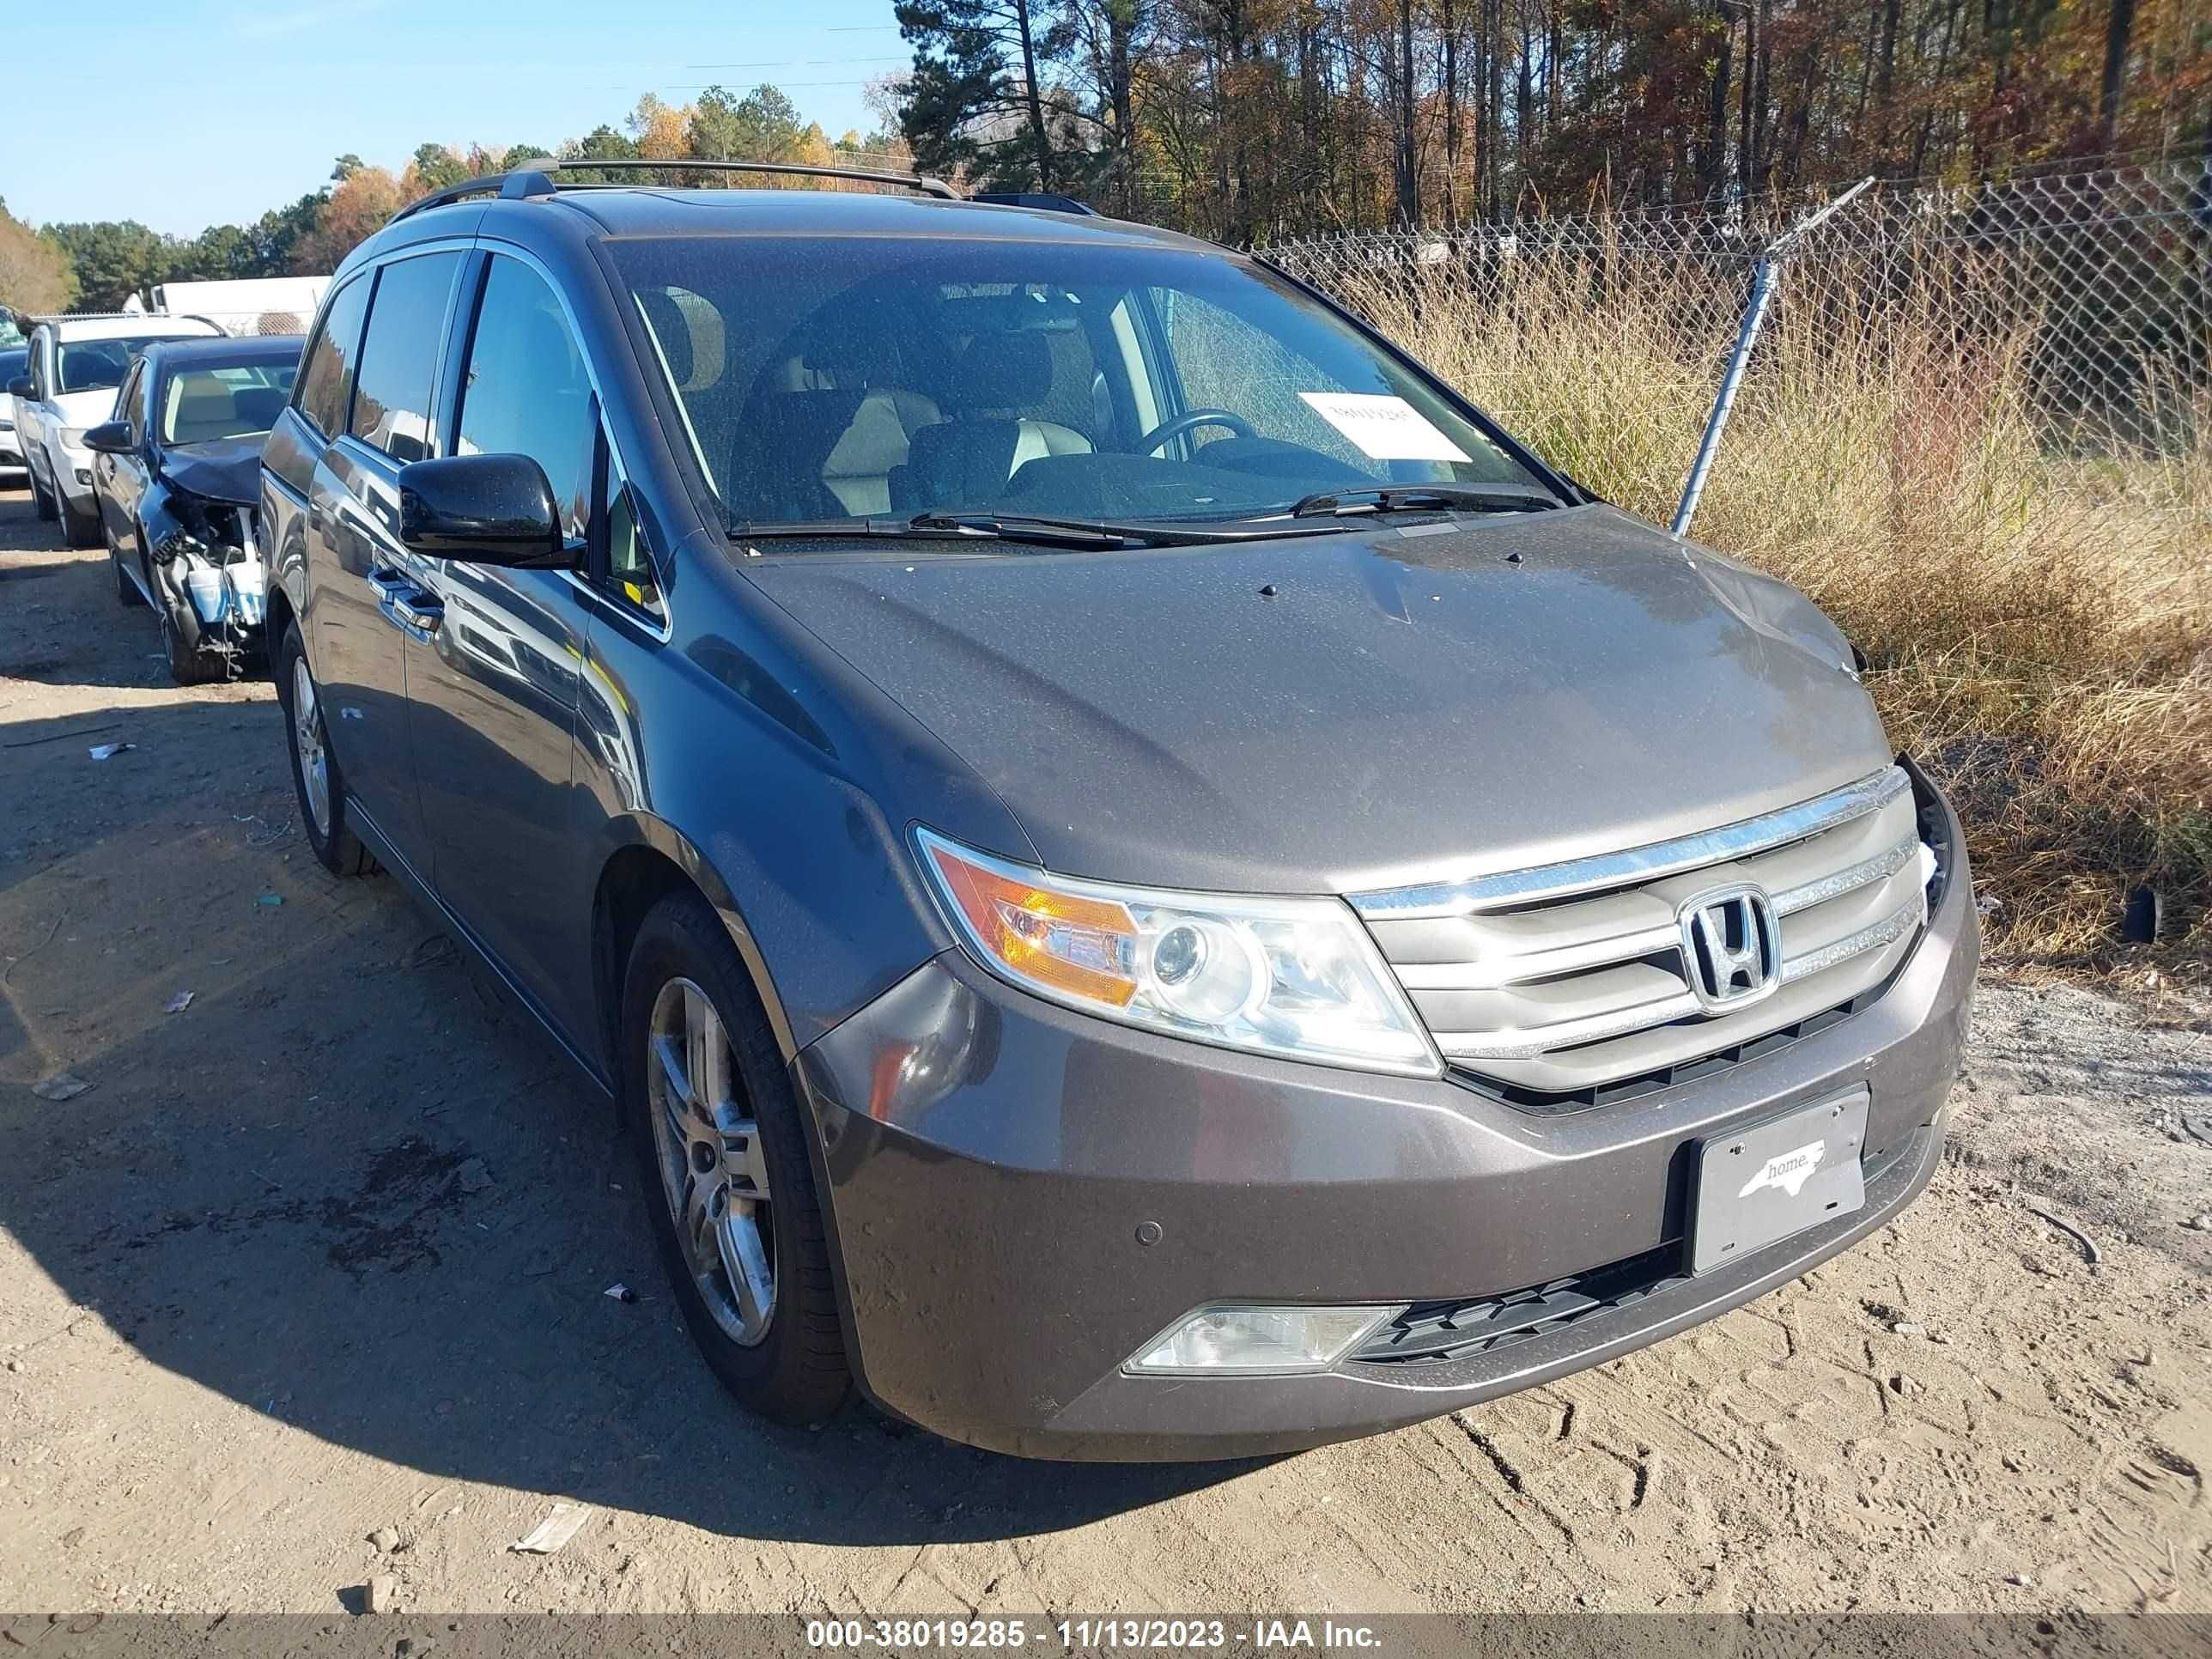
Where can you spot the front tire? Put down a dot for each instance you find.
(41, 503)
(718, 1132)
(315, 775)
(187, 665)
(126, 590)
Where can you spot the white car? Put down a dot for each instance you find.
(77, 363)
(14, 360)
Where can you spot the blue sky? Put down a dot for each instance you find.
(208, 113)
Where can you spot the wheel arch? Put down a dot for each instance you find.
(276, 615)
(652, 859)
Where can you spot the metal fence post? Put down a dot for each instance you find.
(1762, 289)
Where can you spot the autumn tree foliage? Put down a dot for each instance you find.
(35, 271)
(354, 210)
(1255, 116)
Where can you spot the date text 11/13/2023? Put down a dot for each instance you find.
(1263, 1635)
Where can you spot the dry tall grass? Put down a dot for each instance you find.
(2040, 627)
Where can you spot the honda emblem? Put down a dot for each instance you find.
(1731, 947)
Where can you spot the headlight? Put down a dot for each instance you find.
(73, 436)
(1298, 977)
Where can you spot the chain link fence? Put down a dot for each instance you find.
(2069, 318)
(246, 324)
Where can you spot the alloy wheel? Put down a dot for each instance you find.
(714, 1173)
(308, 746)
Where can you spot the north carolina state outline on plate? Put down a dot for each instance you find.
(1384, 427)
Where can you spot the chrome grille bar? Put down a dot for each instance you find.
(1881, 867)
(1492, 973)
(1666, 858)
(1887, 931)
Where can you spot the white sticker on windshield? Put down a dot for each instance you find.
(1385, 429)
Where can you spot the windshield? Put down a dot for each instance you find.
(13, 365)
(862, 377)
(99, 365)
(204, 404)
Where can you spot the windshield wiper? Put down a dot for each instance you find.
(1037, 528)
(1364, 500)
(960, 527)
(1048, 532)
(1101, 532)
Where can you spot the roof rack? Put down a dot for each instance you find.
(922, 182)
(519, 185)
(526, 182)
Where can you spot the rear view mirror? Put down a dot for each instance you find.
(19, 386)
(113, 438)
(485, 509)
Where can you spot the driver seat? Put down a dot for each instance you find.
(969, 458)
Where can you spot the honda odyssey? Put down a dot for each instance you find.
(1145, 881)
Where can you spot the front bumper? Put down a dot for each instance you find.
(987, 1161)
(73, 478)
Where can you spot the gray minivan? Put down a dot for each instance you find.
(1145, 880)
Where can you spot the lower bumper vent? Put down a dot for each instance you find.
(1434, 1331)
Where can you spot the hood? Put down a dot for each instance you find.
(1410, 703)
(223, 470)
(84, 409)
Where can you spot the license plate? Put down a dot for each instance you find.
(1780, 1177)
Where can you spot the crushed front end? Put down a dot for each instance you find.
(209, 577)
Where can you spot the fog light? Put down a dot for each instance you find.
(84, 476)
(1280, 1341)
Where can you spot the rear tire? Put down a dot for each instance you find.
(711, 1113)
(315, 775)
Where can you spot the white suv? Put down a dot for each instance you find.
(76, 365)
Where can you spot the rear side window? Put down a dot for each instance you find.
(406, 326)
(527, 392)
(326, 379)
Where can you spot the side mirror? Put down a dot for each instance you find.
(19, 386)
(485, 509)
(113, 438)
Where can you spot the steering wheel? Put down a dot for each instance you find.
(1189, 421)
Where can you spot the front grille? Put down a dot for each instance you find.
(1459, 1330)
(1563, 982)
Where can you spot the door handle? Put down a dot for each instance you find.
(409, 606)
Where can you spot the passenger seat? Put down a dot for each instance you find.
(204, 410)
(876, 444)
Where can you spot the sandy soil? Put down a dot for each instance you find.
(324, 1253)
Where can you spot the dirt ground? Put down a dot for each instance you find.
(324, 1253)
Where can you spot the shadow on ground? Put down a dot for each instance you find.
(349, 1185)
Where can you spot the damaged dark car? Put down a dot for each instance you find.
(176, 473)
